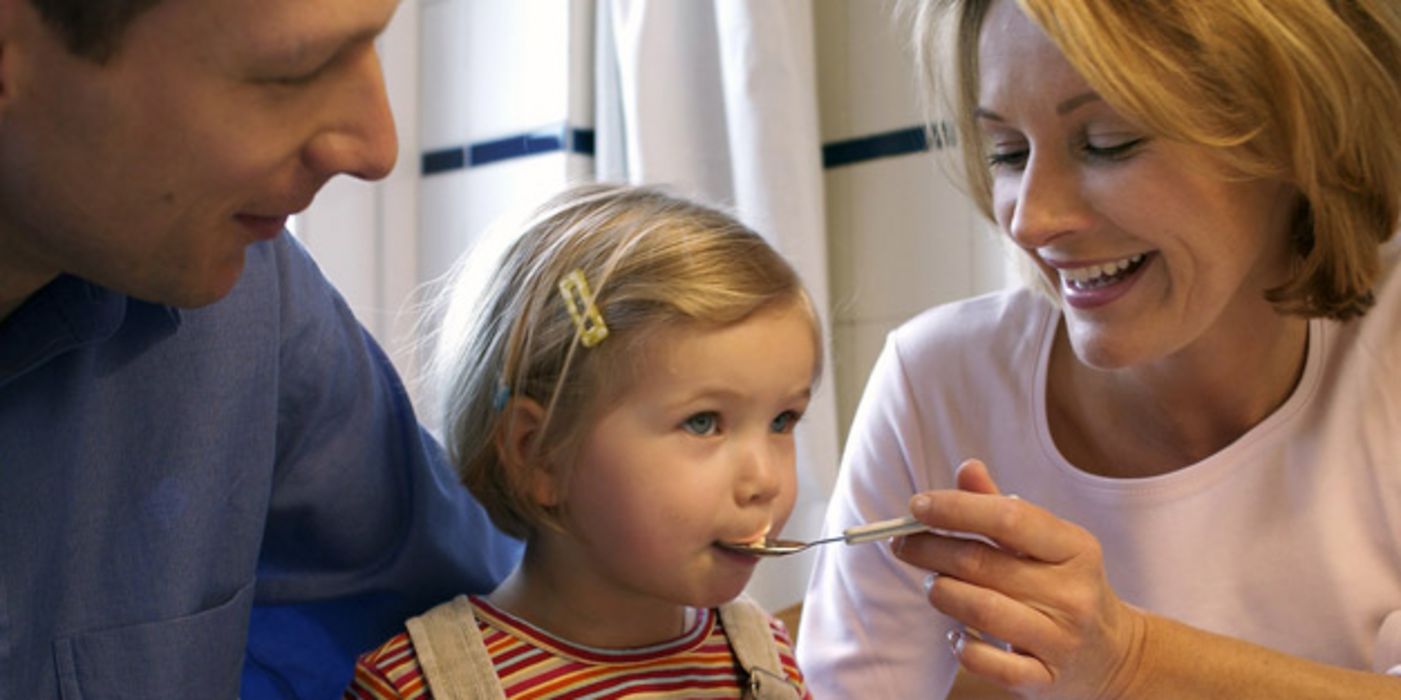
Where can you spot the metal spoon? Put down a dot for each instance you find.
(852, 535)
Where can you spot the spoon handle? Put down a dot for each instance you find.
(883, 529)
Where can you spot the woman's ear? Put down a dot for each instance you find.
(517, 446)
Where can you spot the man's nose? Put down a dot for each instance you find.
(358, 136)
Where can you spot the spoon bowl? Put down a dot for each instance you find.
(871, 532)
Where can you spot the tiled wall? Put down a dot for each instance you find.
(492, 69)
(902, 236)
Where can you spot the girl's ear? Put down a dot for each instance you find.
(522, 419)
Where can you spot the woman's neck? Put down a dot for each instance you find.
(1166, 415)
(550, 592)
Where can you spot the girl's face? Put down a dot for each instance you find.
(1150, 244)
(699, 450)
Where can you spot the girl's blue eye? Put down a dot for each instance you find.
(702, 423)
(785, 421)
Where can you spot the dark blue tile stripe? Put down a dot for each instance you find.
(581, 141)
(518, 146)
(886, 145)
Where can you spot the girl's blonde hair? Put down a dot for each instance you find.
(653, 262)
(1302, 91)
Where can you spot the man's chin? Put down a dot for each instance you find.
(199, 292)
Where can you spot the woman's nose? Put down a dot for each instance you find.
(358, 136)
(1047, 202)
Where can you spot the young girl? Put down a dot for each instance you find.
(623, 398)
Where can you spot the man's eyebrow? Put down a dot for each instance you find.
(323, 46)
(1063, 108)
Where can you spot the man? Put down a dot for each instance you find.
(191, 421)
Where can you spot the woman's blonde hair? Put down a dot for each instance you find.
(653, 262)
(1307, 92)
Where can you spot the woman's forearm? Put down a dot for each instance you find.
(1181, 662)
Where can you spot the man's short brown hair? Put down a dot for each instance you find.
(91, 28)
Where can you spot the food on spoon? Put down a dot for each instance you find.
(757, 539)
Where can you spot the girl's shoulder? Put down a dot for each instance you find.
(388, 672)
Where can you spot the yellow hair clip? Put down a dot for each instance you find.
(578, 299)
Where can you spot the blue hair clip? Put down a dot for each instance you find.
(503, 394)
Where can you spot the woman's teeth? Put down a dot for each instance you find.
(1096, 276)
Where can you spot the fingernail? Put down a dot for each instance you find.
(919, 505)
(929, 583)
(955, 638)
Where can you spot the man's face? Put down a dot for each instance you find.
(212, 123)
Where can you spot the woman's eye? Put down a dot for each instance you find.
(1114, 151)
(702, 423)
(785, 421)
(1007, 159)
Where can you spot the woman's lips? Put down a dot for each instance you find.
(1085, 292)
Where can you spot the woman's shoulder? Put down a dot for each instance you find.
(989, 326)
(1388, 287)
(1379, 330)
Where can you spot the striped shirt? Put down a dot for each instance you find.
(533, 663)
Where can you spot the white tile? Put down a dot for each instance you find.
(841, 270)
(855, 349)
(833, 68)
(904, 239)
(883, 94)
(492, 68)
(457, 207)
(865, 72)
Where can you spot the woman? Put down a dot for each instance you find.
(1199, 409)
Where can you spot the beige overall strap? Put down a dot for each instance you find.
(747, 627)
(450, 651)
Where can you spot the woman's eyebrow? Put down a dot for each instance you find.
(1076, 101)
(1063, 108)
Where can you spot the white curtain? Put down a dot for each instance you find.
(717, 99)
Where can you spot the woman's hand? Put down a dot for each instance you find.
(1042, 589)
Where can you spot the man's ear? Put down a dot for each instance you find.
(517, 446)
(15, 16)
(7, 29)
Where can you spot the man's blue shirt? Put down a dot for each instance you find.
(165, 470)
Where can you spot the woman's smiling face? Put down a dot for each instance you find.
(1149, 243)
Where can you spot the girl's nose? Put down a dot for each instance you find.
(760, 477)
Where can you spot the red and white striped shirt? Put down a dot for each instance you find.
(533, 663)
